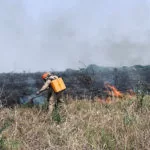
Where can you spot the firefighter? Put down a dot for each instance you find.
(52, 98)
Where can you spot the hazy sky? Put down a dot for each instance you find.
(41, 35)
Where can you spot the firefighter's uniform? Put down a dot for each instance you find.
(52, 98)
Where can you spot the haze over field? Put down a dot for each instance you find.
(43, 35)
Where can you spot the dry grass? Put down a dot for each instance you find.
(82, 125)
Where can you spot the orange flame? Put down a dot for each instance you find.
(112, 91)
(116, 93)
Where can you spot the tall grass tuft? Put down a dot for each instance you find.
(78, 125)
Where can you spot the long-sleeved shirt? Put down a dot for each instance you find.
(47, 83)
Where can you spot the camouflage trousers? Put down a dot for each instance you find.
(53, 100)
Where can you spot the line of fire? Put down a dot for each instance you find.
(103, 84)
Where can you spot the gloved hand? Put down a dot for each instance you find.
(38, 92)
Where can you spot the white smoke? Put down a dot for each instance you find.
(39, 36)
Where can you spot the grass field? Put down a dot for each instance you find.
(78, 125)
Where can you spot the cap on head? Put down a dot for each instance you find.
(46, 75)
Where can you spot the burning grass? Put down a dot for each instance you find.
(81, 125)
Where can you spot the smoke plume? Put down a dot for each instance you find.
(40, 36)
